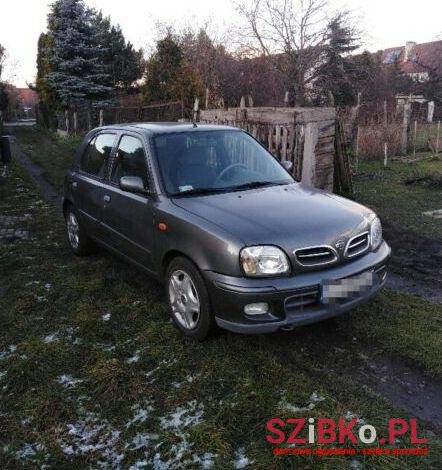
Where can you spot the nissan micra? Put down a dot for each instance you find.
(210, 212)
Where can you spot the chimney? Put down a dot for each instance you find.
(408, 50)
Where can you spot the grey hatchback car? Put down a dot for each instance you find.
(211, 213)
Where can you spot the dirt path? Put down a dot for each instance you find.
(48, 192)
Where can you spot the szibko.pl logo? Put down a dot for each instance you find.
(329, 431)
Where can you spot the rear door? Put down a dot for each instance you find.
(127, 217)
(88, 184)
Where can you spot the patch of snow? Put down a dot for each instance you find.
(284, 404)
(140, 414)
(52, 337)
(48, 286)
(90, 435)
(184, 416)
(140, 464)
(355, 464)
(68, 381)
(106, 317)
(32, 283)
(134, 358)
(3, 374)
(350, 415)
(241, 460)
(140, 441)
(206, 461)
(315, 397)
(29, 450)
(41, 299)
(5, 354)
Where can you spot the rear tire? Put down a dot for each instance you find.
(188, 300)
(79, 241)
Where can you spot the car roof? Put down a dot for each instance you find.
(154, 128)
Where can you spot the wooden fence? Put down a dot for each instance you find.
(82, 120)
(304, 136)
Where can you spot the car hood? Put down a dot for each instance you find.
(291, 216)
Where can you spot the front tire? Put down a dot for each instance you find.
(189, 300)
(78, 240)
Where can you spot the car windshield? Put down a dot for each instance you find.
(201, 162)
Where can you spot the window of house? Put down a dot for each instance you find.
(96, 154)
(130, 160)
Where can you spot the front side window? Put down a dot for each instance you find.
(130, 160)
(215, 161)
(96, 154)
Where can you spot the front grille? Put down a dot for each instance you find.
(316, 255)
(307, 297)
(357, 245)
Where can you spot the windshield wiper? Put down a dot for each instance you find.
(198, 191)
(257, 184)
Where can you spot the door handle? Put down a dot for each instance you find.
(74, 184)
(106, 198)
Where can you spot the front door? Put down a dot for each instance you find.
(127, 218)
(88, 183)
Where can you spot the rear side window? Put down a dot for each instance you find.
(130, 160)
(96, 154)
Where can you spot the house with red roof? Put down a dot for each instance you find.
(422, 63)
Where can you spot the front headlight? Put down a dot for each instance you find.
(375, 233)
(264, 261)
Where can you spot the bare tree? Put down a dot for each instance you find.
(294, 28)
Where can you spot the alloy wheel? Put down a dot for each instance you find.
(73, 230)
(184, 299)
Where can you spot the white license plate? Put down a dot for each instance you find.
(335, 289)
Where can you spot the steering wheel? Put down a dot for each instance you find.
(227, 169)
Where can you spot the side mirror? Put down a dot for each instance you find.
(133, 184)
(5, 150)
(287, 164)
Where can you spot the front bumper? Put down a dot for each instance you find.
(293, 301)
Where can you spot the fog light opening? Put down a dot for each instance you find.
(259, 308)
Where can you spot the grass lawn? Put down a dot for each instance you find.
(400, 204)
(93, 373)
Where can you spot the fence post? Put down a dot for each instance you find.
(437, 137)
(358, 130)
(196, 105)
(101, 122)
(415, 138)
(66, 120)
(286, 98)
(405, 127)
(88, 116)
(75, 122)
(430, 111)
(385, 154)
(207, 99)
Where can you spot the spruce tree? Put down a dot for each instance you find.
(78, 73)
(334, 75)
(125, 63)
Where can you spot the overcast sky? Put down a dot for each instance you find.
(386, 23)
